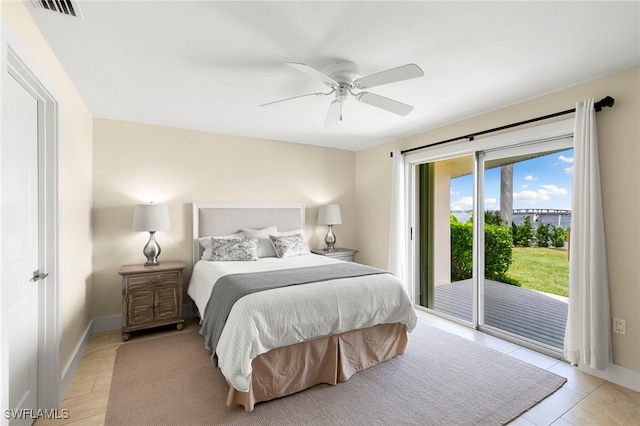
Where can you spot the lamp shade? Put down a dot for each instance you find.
(151, 217)
(329, 215)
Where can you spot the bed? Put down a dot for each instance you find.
(293, 319)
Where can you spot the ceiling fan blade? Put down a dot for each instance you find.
(404, 72)
(296, 97)
(384, 103)
(334, 115)
(314, 73)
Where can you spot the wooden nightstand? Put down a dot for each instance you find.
(339, 253)
(151, 296)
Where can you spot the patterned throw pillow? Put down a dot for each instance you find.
(205, 242)
(228, 249)
(265, 249)
(289, 245)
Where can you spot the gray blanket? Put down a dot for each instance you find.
(229, 288)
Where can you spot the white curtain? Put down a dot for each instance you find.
(397, 263)
(588, 334)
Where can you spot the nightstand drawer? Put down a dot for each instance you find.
(152, 278)
(344, 254)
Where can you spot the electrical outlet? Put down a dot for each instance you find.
(620, 326)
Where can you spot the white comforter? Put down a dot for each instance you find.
(284, 316)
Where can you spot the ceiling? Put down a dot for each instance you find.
(208, 65)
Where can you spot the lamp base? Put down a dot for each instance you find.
(330, 239)
(152, 250)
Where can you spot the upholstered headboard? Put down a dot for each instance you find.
(218, 219)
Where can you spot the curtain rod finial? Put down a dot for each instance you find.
(607, 101)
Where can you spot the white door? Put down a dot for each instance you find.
(20, 249)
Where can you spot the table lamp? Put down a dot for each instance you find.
(151, 218)
(330, 215)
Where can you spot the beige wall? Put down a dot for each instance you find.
(137, 163)
(442, 230)
(619, 140)
(75, 147)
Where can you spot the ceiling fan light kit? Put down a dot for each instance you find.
(344, 76)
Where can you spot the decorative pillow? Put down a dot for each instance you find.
(265, 248)
(294, 232)
(289, 245)
(227, 249)
(205, 242)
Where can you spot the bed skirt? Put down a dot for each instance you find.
(333, 359)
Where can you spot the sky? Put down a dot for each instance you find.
(543, 182)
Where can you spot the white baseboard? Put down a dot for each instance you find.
(113, 322)
(616, 374)
(96, 325)
(71, 367)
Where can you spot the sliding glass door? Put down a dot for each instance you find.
(526, 197)
(446, 203)
(492, 223)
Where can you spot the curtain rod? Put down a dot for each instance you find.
(604, 102)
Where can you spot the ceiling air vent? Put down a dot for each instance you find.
(64, 7)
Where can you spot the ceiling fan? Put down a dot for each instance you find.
(343, 78)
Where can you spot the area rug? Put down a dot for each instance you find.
(442, 379)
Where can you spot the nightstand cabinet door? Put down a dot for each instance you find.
(151, 296)
(166, 304)
(139, 307)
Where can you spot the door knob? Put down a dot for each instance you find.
(37, 276)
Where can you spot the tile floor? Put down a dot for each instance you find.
(583, 400)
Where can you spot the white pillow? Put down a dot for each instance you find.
(289, 245)
(294, 232)
(205, 242)
(265, 248)
(233, 249)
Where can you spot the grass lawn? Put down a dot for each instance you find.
(542, 269)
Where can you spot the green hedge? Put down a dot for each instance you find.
(497, 241)
(549, 235)
(497, 250)
(522, 235)
(461, 250)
